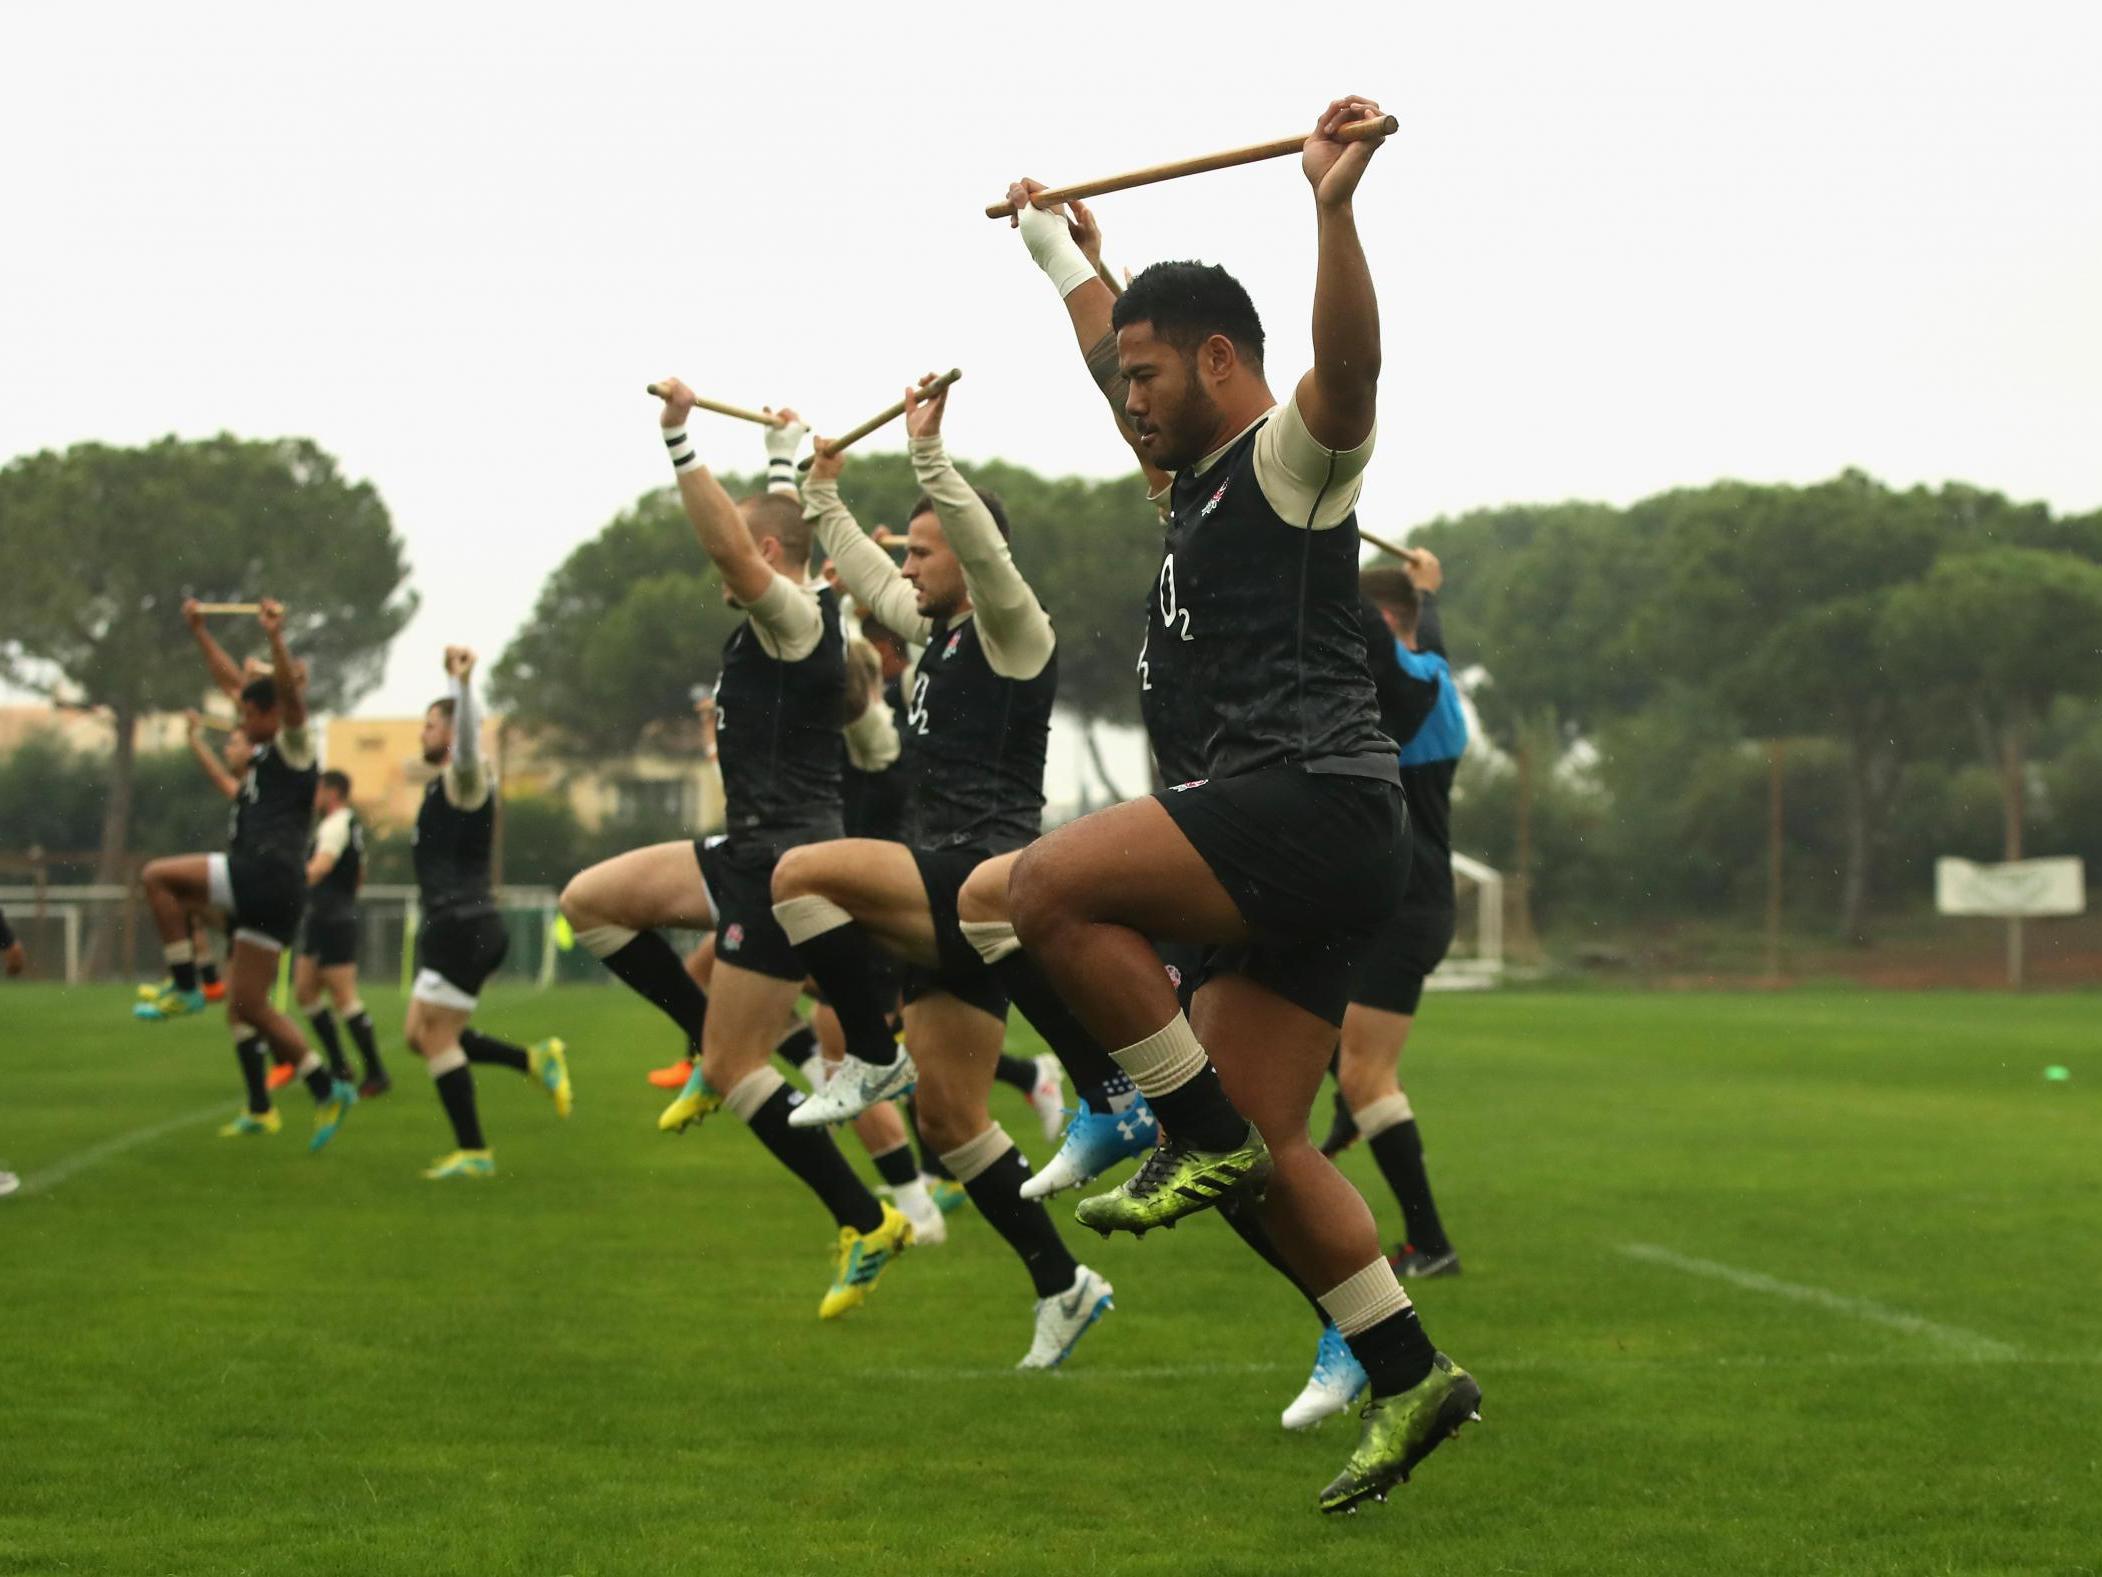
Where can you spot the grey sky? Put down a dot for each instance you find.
(1620, 247)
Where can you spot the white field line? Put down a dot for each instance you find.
(1970, 1344)
(79, 1161)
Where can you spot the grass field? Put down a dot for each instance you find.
(1857, 1332)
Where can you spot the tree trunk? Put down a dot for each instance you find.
(1854, 878)
(1521, 938)
(1776, 758)
(113, 863)
(2011, 809)
(1094, 755)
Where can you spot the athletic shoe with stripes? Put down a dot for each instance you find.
(1400, 1431)
(1179, 1180)
(1412, 1264)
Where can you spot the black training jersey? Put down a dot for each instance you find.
(336, 894)
(974, 746)
(1253, 647)
(872, 804)
(273, 809)
(1428, 790)
(452, 848)
(777, 734)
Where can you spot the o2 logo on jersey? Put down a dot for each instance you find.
(916, 709)
(1170, 609)
(733, 937)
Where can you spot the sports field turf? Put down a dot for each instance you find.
(1857, 1332)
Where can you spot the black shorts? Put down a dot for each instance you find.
(455, 955)
(739, 877)
(331, 940)
(1396, 959)
(1184, 962)
(1315, 862)
(961, 973)
(263, 899)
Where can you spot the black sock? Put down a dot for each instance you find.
(897, 1167)
(1245, 1218)
(208, 973)
(456, 1092)
(1025, 1223)
(184, 976)
(930, 1158)
(1197, 1113)
(1399, 1151)
(1395, 1352)
(812, 1156)
(487, 1048)
(255, 1072)
(320, 1085)
(360, 1026)
(324, 1023)
(845, 964)
(1017, 1073)
(795, 1047)
(649, 968)
(1086, 1062)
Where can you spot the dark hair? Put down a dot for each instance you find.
(923, 505)
(444, 704)
(260, 693)
(780, 516)
(339, 781)
(1187, 303)
(883, 637)
(1389, 586)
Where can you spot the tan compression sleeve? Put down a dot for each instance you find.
(868, 573)
(1012, 624)
(1306, 482)
(786, 620)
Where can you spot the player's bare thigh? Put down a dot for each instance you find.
(745, 1013)
(431, 1028)
(1129, 865)
(644, 888)
(956, 1048)
(877, 883)
(982, 900)
(1368, 1068)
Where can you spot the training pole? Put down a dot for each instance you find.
(1356, 131)
(720, 409)
(888, 414)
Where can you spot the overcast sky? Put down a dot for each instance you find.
(1619, 246)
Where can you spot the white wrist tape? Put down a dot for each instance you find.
(1055, 250)
(682, 455)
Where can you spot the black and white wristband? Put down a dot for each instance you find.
(780, 473)
(682, 455)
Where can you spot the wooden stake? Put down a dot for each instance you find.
(229, 607)
(1388, 548)
(1356, 131)
(889, 413)
(720, 409)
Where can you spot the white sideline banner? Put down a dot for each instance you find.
(2011, 890)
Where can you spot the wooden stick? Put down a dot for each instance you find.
(721, 409)
(889, 413)
(1356, 131)
(1388, 548)
(229, 607)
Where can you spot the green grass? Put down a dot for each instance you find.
(237, 1358)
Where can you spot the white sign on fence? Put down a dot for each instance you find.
(2012, 890)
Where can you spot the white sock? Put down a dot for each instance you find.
(1365, 1299)
(912, 1198)
(603, 941)
(809, 915)
(1165, 1060)
(754, 1090)
(1389, 1111)
(973, 1156)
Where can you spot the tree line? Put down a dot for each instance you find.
(1926, 664)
